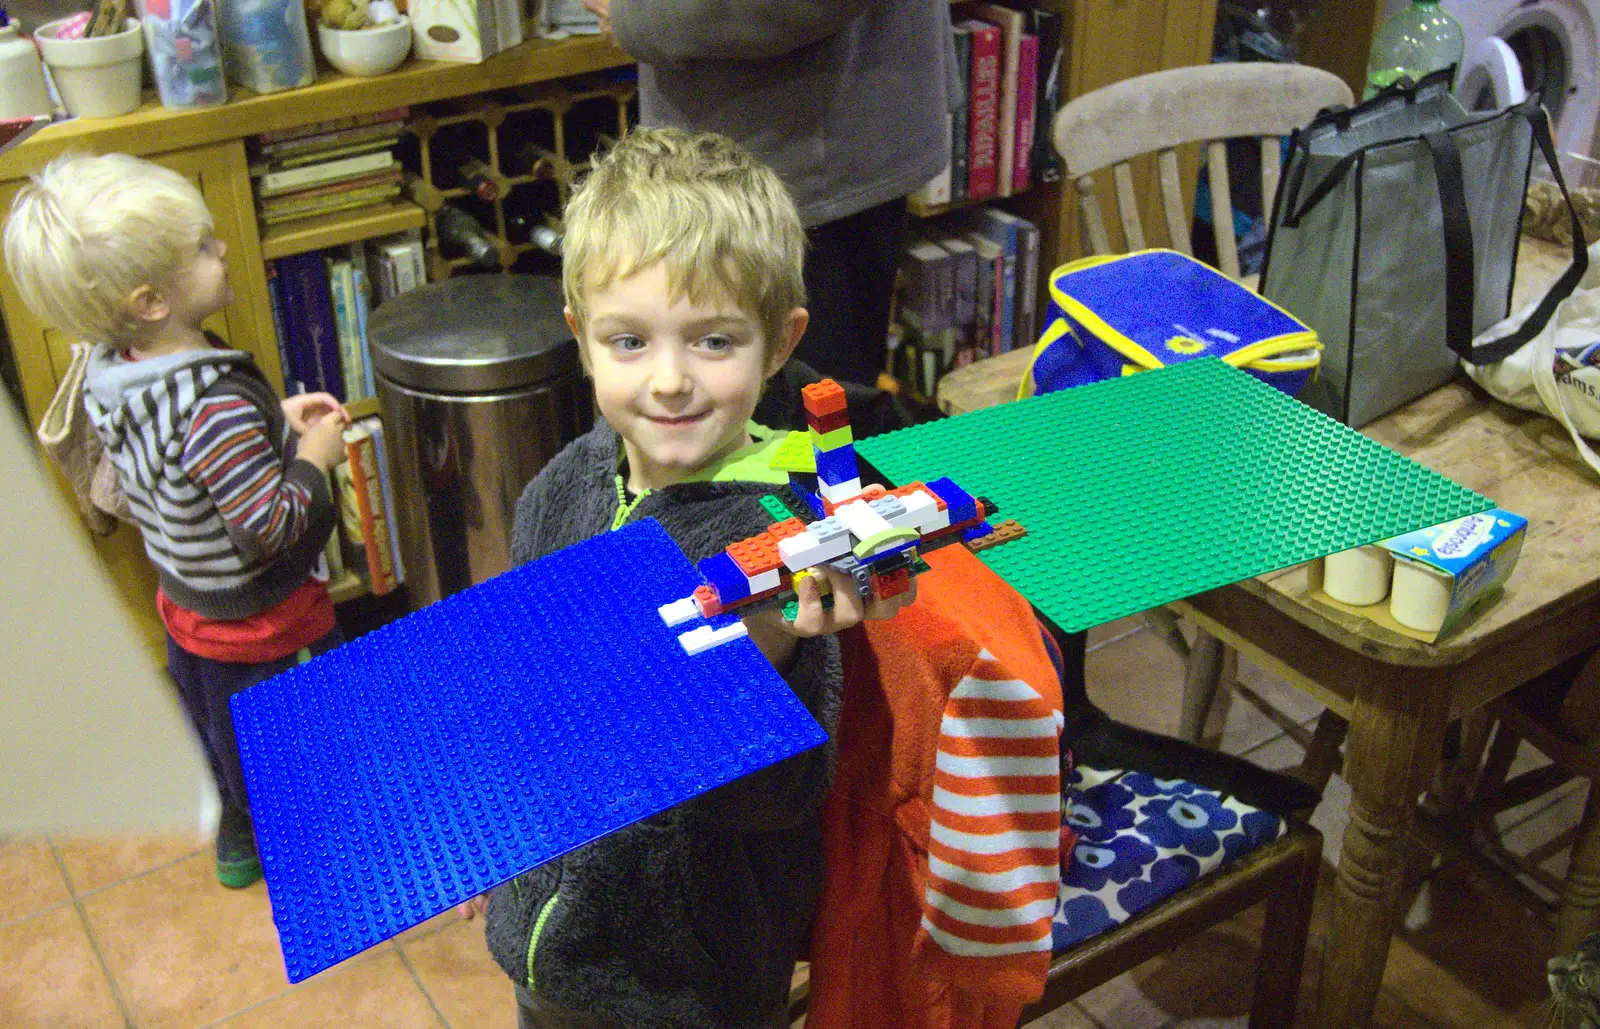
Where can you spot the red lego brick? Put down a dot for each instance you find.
(892, 584)
(756, 555)
(823, 398)
(705, 598)
(826, 423)
(788, 527)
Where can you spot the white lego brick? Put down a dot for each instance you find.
(827, 529)
(807, 550)
(704, 637)
(839, 491)
(918, 505)
(679, 611)
(862, 521)
(768, 580)
(934, 520)
(892, 510)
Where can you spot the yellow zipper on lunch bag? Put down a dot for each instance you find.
(538, 929)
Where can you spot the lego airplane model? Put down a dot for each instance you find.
(434, 758)
(873, 535)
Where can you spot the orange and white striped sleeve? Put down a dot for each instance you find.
(994, 839)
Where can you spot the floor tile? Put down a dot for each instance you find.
(183, 950)
(50, 978)
(96, 862)
(30, 879)
(1137, 680)
(1100, 635)
(377, 993)
(1178, 984)
(1297, 704)
(1067, 1017)
(456, 971)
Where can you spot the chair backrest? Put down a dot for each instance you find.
(1162, 111)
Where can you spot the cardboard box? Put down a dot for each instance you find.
(464, 31)
(1473, 555)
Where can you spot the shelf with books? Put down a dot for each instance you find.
(341, 227)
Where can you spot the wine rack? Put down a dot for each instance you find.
(535, 141)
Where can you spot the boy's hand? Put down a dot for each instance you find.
(323, 443)
(307, 409)
(474, 906)
(775, 635)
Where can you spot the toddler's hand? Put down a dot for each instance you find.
(307, 409)
(470, 909)
(776, 635)
(323, 443)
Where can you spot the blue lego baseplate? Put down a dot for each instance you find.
(422, 764)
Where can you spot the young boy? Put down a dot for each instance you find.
(120, 251)
(681, 266)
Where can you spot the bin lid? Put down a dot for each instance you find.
(473, 333)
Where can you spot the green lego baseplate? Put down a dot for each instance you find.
(1147, 489)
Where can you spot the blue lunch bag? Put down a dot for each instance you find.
(1115, 315)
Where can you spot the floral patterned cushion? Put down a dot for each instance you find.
(1140, 840)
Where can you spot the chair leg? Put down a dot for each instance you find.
(1496, 766)
(1283, 945)
(1581, 896)
(1201, 677)
(1164, 624)
(1322, 756)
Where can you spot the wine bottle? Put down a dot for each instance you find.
(460, 235)
(477, 176)
(536, 160)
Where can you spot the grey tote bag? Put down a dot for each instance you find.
(1394, 235)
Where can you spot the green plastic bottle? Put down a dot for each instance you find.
(1419, 39)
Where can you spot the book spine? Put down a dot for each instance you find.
(320, 337)
(363, 293)
(997, 305)
(280, 325)
(1047, 96)
(312, 174)
(341, 283)
(405, 276)
(363, 457)
(1027, 83)
(332, 553)
(961, 135)
(386, 482)
(1028, 289)
(984, 113)
(334, 125)
(1008, 314)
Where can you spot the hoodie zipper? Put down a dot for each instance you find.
(538, 930)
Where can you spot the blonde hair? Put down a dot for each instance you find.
(89, 230)
(721, 223)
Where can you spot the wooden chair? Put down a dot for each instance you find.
(1159, 114)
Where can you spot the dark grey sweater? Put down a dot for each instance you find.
(691, 919)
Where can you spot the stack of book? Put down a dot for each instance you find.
(1010, 65)
(368, 544)
(968, 289)
(330, 166)
(320, 302)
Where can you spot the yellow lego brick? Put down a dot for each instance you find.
(828, 441)
(794, 454)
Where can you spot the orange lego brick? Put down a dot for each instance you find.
(788, 527)
(705, 598)
(823, 398)
(756, 555)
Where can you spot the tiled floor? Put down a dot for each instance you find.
(137, 933)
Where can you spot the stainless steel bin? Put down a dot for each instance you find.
(480, 384)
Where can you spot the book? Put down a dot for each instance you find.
(1047, 95)
(1027, 86)
(377, 178)
(960, 138)
(409, 271)
(386, 481)
(363, 294)
(1023, 242)
(927, 298)
(352, 548)
(390, 130)
(1012, 26)
(362, 453)
(332, 553)
(320, 128)
(965, 262)
(310, 305)
(341, 285)
(983, 110)
(313, 174)
(292, 383)
(301, 160)
(988, 305)
(1000, 228)
(328, 204)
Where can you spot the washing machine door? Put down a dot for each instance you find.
(1491, 77)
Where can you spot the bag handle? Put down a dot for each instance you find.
(1458, 255)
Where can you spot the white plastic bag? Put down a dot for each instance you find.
(1556, 372)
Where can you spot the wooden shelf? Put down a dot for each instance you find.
(154, 129)
(347, 587)
(918, 209)
(340, 227)
(363, 407)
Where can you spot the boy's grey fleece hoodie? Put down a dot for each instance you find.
(691, 919)
(141, 410)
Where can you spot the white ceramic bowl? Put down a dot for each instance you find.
(374, 51)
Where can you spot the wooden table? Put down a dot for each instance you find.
(1398, 694)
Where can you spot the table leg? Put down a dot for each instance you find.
(1581, 897)
(1389, 753)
